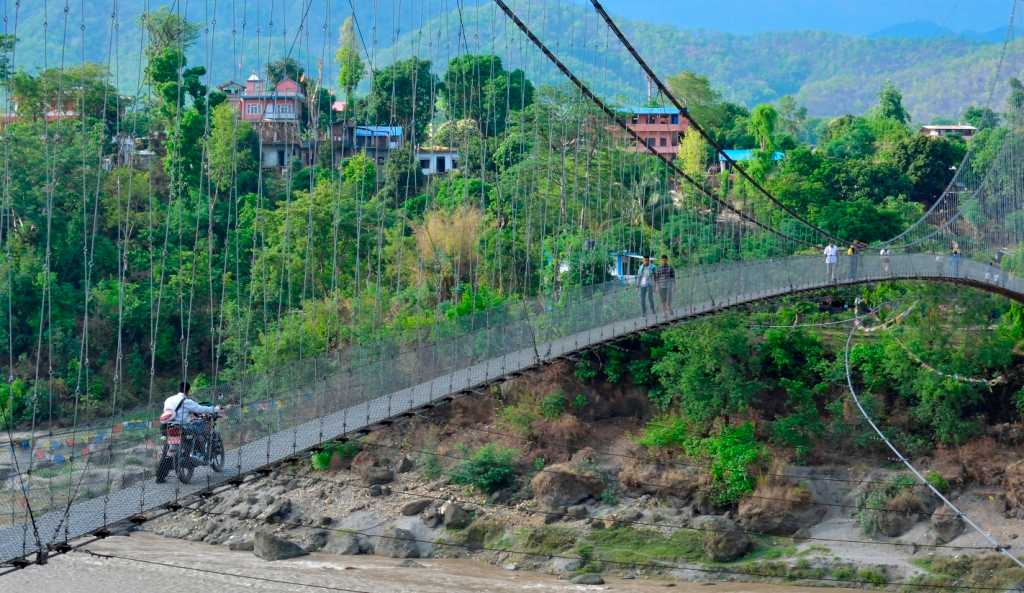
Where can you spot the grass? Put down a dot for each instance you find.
(989, 571)
(628, 544)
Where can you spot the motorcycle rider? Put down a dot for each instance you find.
(186, 412)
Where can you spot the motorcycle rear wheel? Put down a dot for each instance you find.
(163, 467)
(184, 467)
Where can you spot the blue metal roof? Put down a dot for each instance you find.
(378, 131)
(650, 110)
(746, 154)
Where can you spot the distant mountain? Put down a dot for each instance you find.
(914, 30)
(930, 30)
(831, 73)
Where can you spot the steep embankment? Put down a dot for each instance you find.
(577, 496)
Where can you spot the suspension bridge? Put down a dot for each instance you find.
(754, 248)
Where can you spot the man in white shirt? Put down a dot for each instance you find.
(185, 412)
(645, 282)
(831, 256)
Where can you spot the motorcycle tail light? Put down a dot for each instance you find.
(174, 431)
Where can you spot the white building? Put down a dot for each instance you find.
(437, 160)
(960, 130)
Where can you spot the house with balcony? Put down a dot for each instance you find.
(660, 128)
(276, 116)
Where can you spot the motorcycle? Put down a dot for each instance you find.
(184, 450)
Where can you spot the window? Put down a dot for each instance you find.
(440, 164)
(663, 141)
(280, 158)
(252, 108)
(636, 119)
(650, 119)
(285, 108)
(425, 164)
(675, 139)
(650, 143)
(675, 118)
(455, 163)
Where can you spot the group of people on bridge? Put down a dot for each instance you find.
(831, 253)
(661, 277)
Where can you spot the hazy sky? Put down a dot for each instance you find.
(844, 16)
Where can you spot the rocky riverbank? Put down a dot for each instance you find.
(585, 512)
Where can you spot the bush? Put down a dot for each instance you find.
(937, 481)
(586, 371)
(666, 432)
(321, 460)
(431, 465)
(732, 453)
(489, 469)
(553, 406)
(579, 402)
(519, 417)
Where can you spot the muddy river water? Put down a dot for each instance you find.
(82, 573)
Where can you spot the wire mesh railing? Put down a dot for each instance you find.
(109, 475)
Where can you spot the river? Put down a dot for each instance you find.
(83, 573)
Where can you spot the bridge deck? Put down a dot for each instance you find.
(340, 400)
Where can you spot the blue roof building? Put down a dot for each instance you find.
(742, 155)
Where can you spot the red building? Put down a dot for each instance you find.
(661, 128)
(276, 115)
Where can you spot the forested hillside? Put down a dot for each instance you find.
(831, 73)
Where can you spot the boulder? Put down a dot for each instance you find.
(1013, 482)
(378, 475)
(779, 509)
(347, 544)
(724, 541)
(565, 565)
(588, 578)
(456, 517)
(577, 512)
(565, 484)
(270, 547)
(276, 511)
(316, 541)
(946, 525)
(241, 545)
(397, 543)
(432, 517)
(899, 514)
(415, 507)
(639, 476)
(404, 465)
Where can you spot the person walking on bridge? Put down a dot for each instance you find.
(831, 256)
(954, 259)
(665, 280)
(854, 260)
(645, 282)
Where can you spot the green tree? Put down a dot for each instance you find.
(403, 94)
(890, 104)
(702, 101)
(350, 65)
(477, 87)
(286, 67)
(762, 123)
(230, 148)
(929, 163)
(693, 153)
(982, 118)
(167, 30)
(6, 47)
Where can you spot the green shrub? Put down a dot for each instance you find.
(872, 576)
(489, 469)
(431, 465)
(579, 402)
(614, 364)
(553, 406)
(874, 502)
(321, 460)
(586, 371)
(732, 452)
(519, 417)
(665, 432)
(937, 481)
